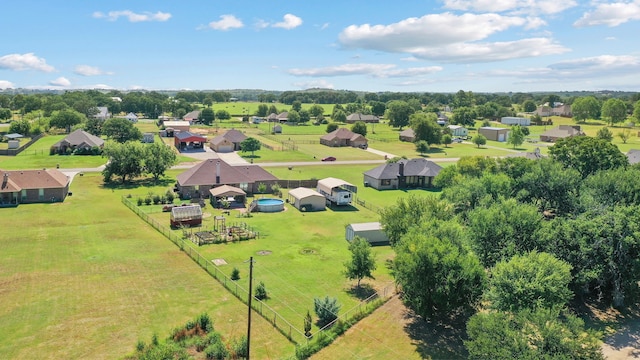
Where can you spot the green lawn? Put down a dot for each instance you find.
(87, 279)
(37, 156)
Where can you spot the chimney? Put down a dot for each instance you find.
(218, 172)
(401, 168)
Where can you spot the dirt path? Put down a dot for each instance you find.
(624, 344)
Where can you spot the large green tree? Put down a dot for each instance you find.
(21, 127)
(207, 116)
(529, 281)
(409, 212)
(528, 106)
(636, 111)
(587, 155)
(359, 127)
(158, 158)
(5, 114)
(125, 160)
(439, 278)
(539, 334)
(516, 136)
(250, 144)
(614, 111)
(65, 119)
(584, 108)
(223, 115)
(362, 262)
(426, 128)
(316, 110)
(120, 130)
(398, 113)
(464, 116)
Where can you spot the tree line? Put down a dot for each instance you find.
(513, 242)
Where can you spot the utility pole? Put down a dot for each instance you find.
(249, 315)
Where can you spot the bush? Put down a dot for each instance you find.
(327, 310)
(216, 351)
(205, 322)
(156, 199)
(261, 291)
(147, 200)
(139, 201)
(235, 274)
(170, 196)
(239, 347)
(140, 345)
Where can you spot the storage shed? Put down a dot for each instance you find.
(495, 134)
(305, 199)
(371, 231)
(512, 120)
(190, 215)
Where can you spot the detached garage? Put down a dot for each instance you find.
(372, 232)
(494, 134)
(305, 199)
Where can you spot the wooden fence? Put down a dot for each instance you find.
(14, 152)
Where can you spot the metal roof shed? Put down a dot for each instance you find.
(371, 231)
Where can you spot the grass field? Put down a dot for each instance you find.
(87, 279)
(37, 156)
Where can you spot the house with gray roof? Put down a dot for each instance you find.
(196, 182)
(403, 174)
(407, 135)
(351, 119)
(103, 113)
(228, 142)
(78, 140)
(192, 117)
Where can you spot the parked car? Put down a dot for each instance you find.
(329, 158)
(456, 140)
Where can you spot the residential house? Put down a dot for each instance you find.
(102, 114)
(32, 186)
(371, 231)
(495, 134)
(563, 110)
(186, 140)
(78, 140)
(132, 117)
(343, 137)
(361, 117)
(457, 130)
(407, 135)
(531, 155)
(199, 179)
(172, 127)
(442, 119)
(403, 174)
(273, 117)
(228, 142)
(544, 110)
(192, 117)
(305, 199)
(561, 132)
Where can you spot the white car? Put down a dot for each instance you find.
(456, 140)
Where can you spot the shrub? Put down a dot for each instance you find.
(156, 199)
(239, 347)
(235, 274)
(261, 291)
(327, 310)
(170, 196)
(154, 340)
(139, 201)
(205, 322)
(140, 345)
(147, 200)
(216, 351)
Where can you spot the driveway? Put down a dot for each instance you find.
(381, 153)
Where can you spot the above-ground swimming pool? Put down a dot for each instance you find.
(270, 205)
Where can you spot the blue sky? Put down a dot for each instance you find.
(409, 45)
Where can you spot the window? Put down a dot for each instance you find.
(24, 194)
(385, 182)
(244, 186)
(41, 194)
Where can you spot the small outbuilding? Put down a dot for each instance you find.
(177, 126)
(407, 135)
(457, 130)
(147, 138)
(187, 140)
(371, 231)
(188, 216)
(305, 199)
(132, 117)
(495, 134)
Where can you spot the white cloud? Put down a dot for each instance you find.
(340, 70)
(131, 16)
(324, 26)
(487, 52)
(61, 81)
(99, 87)
(603, 64)
(611, 15)
(226, 22)
(24, 62)
(315, 84)
(410, 58)
(512, 6)
(4, 84)
(374, 70)
(261, 24)
(289, 22)
(86, 70)
(426, 32)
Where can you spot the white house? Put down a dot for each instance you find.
(457, 130)
(132, 117)
(372, 232)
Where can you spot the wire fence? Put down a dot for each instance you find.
(290, 331)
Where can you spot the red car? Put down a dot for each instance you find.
(329, 158)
